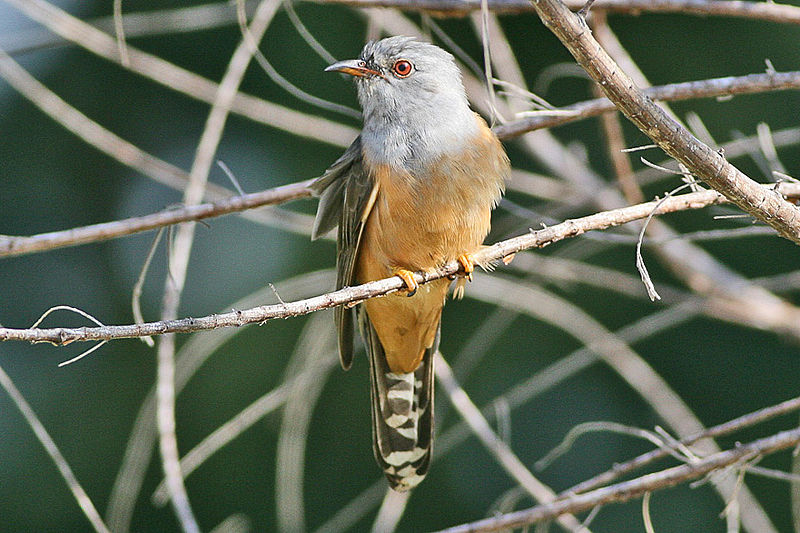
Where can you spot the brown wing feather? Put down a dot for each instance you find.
(345, 191)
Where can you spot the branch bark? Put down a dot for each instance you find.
(704, 163)
(352, 295)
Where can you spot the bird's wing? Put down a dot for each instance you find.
(330, 189)
(346, 197)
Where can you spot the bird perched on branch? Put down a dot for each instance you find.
(413, 192)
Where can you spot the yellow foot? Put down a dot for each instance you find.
(467, 264)
(507, 259)
(408, 278)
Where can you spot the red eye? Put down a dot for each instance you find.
(402, 68)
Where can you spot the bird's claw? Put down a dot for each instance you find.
(408, 278)
(467, 264)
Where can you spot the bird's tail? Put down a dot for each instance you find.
(402, 414)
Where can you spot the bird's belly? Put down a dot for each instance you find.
(423, 225)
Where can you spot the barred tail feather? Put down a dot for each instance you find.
(402, 414)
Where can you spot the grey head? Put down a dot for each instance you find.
(413, 100)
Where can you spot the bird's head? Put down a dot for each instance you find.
(400, 75)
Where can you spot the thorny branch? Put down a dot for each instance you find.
(352, 295)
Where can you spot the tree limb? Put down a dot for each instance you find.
(352, 295)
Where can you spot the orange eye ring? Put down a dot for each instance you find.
(402, 68)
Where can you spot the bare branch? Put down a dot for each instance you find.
(348, 295)
(770, 11)
(731, 426)
(13, 245)
(729, 85)
(627, 490)
(52, 450)
(674, 139)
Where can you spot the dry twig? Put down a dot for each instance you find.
(770, 11)
(634, 488)
(725, 428)
(19, 245)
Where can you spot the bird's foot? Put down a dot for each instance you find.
(408, 278)
(467, 264)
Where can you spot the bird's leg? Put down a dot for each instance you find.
(408, 278)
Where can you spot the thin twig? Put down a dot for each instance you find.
(136, 292)
(317, 344)
(176, 78)
(634, 488)
(610, 122)
(20, 245)
(280, 80)
(498, 449)
(591, 427)
(648, 521)
(52, 450)
(139, 24)
(729, 85)
(725, 428)
(770, 11)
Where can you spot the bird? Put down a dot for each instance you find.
(413, 192)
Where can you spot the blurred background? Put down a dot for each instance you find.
(301, 459)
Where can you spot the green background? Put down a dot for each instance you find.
(51, 180)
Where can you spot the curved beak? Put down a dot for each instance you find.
(354, 67)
